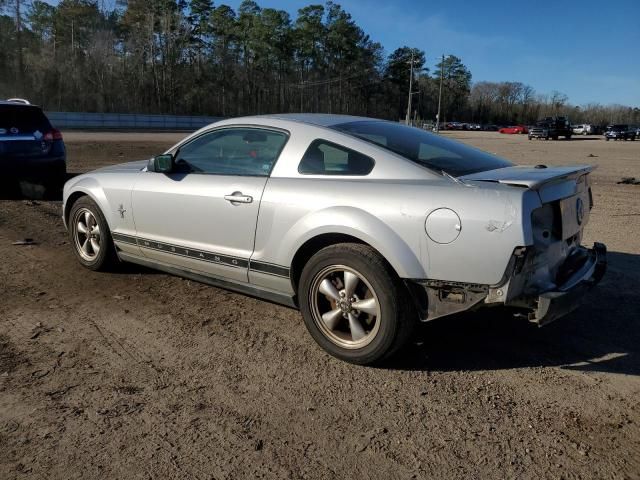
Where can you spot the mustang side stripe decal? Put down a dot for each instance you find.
(119, 237)
(269, 269)
(227, 260)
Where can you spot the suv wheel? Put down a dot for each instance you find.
(354, 305)
(90, 235)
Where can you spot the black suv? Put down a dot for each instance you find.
(551, 128)
(30, 148)
(619, 132)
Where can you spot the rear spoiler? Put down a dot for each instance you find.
(530, 177)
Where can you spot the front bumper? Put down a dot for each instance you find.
(538, 133)
(557, 303)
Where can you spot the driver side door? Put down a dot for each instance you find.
(202, 215)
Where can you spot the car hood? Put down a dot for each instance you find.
(529, 177)
(125, 167)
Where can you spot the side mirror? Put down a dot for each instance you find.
(161, 163)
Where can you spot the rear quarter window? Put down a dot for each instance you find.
(327, 158)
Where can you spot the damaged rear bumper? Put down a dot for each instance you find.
(520, 289)
(563, 300)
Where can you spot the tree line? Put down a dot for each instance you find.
(196, 57)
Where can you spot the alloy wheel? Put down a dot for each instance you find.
(87, 234)
(345, 306)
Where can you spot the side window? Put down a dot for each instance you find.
(232, 151)
(326, 158)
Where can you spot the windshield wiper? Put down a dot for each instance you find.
(455, 179)
(450, 177)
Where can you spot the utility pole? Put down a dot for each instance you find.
(440, 95)
(19, 42)
(408, 117)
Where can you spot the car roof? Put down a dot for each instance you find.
(319, 119)
(18, 104)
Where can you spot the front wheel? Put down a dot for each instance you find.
(90, 236)
(354, 305)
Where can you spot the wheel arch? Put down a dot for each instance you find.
(90, 188)
(375, 234)
(313, 245)
(73, 198)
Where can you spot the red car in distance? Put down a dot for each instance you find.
(514, 129)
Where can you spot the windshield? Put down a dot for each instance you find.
(424, 148)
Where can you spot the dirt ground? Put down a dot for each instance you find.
(137, 374)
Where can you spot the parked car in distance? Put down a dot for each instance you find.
(619, 132)
(551, 128)
(517, 129)
(583, 129)
(30, 148)
(366, 226)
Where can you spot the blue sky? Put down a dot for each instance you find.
(597, 58)
(588, 49)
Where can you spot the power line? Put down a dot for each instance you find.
(315, 83)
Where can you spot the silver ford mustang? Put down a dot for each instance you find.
(366, 226)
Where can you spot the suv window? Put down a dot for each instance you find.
(26, 119)
(326, 158)
(232, 151)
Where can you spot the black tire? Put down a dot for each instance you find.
(105, 258)
(606, 138)
(391, 329)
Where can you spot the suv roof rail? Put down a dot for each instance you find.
(19, 100)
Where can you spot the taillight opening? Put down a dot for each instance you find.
(52, 135)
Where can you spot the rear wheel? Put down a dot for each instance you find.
(354, 305)
(90, 236)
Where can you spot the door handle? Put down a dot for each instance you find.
(238, 197)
